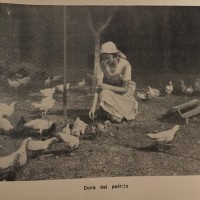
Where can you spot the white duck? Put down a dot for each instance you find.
(36, 145)
(47, 92)
(79, 125)
(45, 105)
(15, 160)
(40, 125)
(5, 124)
(169, 88)
(7, 110)
(70, 141)
(164, 136)
(60, 87)
(153, 92)
(82, 83)
(14, 83)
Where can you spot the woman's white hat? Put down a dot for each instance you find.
(109, 47)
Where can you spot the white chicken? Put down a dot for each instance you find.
(82, 83)
(185, 89)
(24, 81)
(57, 77)
(143, 95)
(153, 92)
(45, 105)
(79, 125)
(40, 125)
(5, 124)
(14, 161)
(47, 92)
(66, 130)
(169, 88)
(14, 83)
(36, 145)
(164, 136)
(47, 81)
(60, 87)
(7, 110)
(70, 141)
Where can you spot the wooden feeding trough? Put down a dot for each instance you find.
(187, 110)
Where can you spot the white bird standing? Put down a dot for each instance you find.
(143, 95)
(153, 92)
(25, 81)
(14, 161)
(70, 141)
(14, 83)
(47, 81)
(82, 83)
(7, 110)
(169, 88)
(40, 125)
(5, 124)
(185, 89)
(37, 145)
(45, 105)
(47, 92)
(79, 125)
(66, 130)
(57, 77)
(61, 87)
(164, 136)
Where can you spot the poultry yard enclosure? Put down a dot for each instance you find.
(127, 152)
(162, 45)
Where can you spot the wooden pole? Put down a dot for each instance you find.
(65, 63)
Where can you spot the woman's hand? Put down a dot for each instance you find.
(92, 114)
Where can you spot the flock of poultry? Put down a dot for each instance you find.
(69, 136)
(154, 93)
(10, 164)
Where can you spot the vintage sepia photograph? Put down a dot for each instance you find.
(105, 91)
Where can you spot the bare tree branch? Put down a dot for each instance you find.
(107, 22)
(89, 21)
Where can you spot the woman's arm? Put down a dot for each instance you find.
(95, 100)
(120, 90)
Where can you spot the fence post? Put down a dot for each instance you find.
(65, 63)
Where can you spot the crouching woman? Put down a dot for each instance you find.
(114, 88)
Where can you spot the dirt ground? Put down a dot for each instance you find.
(127, 152)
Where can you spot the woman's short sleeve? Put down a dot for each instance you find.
(99, 72)
(127, 74)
